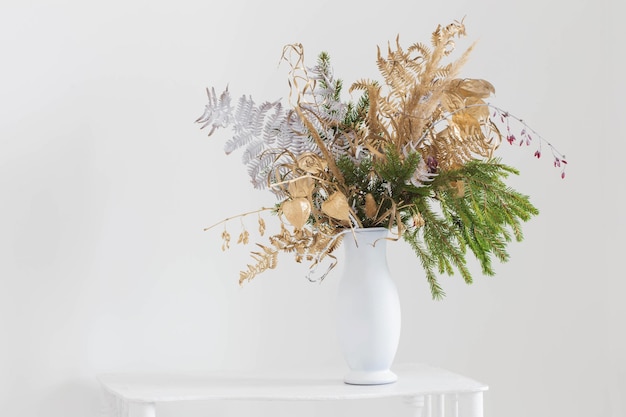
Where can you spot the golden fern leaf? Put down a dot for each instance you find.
(334, 243)
(246, 275)
(362, 85)
(442, 73)
(424, 51)
(398, 75)
(268, 259)
(442, 37)
(384, 68)
(398, 71)
(461, 141)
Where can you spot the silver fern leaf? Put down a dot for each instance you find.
(262, 166)
(269, 135)
(249, 121)
(272, 137)
(217, 112)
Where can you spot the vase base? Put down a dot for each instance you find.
(370, 378)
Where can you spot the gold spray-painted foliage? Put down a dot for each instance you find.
(414, 153)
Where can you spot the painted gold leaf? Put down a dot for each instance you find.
(452, 100)
(296, 211)
(301, 187)
(476, 107)
(337, 207)
(465, 123)
(476, 88)
(459, 187)
(370, 206)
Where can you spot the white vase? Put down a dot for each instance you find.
(368, 308)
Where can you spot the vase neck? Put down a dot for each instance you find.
(368, 240)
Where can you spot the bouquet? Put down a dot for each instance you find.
(414, 153)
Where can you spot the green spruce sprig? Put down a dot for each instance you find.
(484, 217)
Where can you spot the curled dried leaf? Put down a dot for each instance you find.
(225, 240)
(244, 237)
(311, 163)
(261, 226)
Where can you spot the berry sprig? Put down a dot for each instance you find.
(526, 136)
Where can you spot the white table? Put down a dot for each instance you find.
(429, 391)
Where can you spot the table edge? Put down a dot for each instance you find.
(359, 394)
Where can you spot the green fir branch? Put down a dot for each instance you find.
(484, 219)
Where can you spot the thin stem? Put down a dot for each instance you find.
(505, 113)
(238, 215)
(277, 184)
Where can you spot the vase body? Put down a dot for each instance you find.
(368, 309)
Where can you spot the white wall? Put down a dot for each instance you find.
(106, 184)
